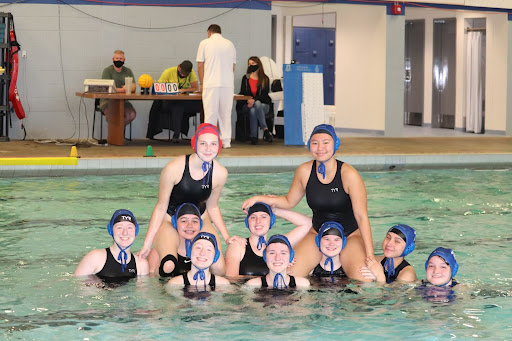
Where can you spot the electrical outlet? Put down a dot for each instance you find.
(23, 54)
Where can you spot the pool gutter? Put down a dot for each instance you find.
(259, 164)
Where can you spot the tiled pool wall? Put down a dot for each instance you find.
(138, 166)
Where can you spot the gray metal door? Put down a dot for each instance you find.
(443, 74)
(414, 72)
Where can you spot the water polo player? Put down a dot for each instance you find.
(400, 241)
(335, 192)
(278, 255)
(116, 262)
(203, 252)
(196, 179)
(248, 259)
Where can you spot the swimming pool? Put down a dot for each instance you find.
(47, 225)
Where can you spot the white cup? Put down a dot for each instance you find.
(128, 85)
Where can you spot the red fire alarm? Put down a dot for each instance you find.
(396, 9)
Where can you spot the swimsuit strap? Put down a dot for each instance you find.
(264, 283)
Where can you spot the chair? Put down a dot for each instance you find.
(166, 123)
(98, 110)
(243, 127)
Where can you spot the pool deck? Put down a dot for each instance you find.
(46, 158)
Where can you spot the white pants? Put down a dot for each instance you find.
(217, 104)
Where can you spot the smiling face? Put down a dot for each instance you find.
(259, 223)
(438, 271)
(207, 146)
(124, 233)
(202, 254)
(278, 257)
(188, 226)
(393, 245)
(321, 146)
(331, 245)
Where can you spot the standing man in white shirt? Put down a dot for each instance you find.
(216, 59)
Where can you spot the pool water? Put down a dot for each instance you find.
(47, 225)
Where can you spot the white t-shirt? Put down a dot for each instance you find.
(218, 55)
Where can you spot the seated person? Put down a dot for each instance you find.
(278, 255)
(330, 241)
(256, 84)
(118, 72)
(398, 243)
(187, 222)
(186, 79)
(116, 262)
(248, 259)
(202, 252)
(441, 268)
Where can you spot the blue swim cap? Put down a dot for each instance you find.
(206, 236)
(118, 216)
(408, 234)
(331, 227)
(325, 129)
(186, 208)
(122, 215)
(261, 207)
(279, 238)
(449, 257)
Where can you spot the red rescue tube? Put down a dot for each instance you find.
(14, 96)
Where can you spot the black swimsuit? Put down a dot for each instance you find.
(264, 283)
(397, 270)
(112, 268)
(190, 190)
(187, 282)
(330, 202)
(318, 271)
(252, 264)
(184, 265)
